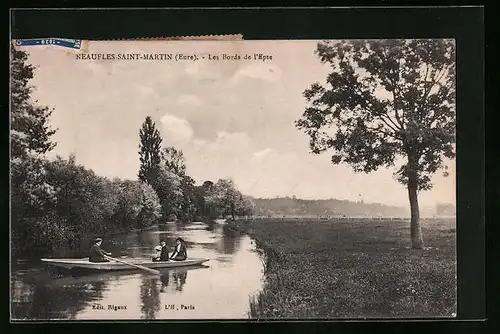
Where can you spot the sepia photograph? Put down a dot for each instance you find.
(232, 179)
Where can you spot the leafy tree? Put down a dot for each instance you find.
(386, 99)
(138, 206)
(150, 206)
(33, 224)
(85, 200)
(223, 199)
(168, 188)
(199, 200)
(174, 160)
(245, 206)
(129, 203)
(30, 131)
(149, 154)
(190, 202)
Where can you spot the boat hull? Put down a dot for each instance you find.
(85, 264)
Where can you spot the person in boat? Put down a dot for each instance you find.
(96, 254)
(157, 254)
(164, 251)
(180, 252)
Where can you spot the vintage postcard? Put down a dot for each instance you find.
(222, 178)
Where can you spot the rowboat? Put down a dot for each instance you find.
(109, 276)
(85, 264)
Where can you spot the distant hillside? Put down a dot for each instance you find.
(286, 206)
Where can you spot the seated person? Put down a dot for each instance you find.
(180, 252)
(157, 254)
(96, 254)
(164, 251)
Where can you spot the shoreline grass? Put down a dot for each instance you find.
(346, 269)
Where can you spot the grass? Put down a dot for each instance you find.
(346, 269)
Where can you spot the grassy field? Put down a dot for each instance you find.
(346, 269)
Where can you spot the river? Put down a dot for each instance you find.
(220, 289)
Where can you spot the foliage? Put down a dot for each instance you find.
(169, 191)
(30, 131)
(138, 206)
(56, 202)
(223, 199)
(190, 207)
(174, 160)
(84, 199)
(386, 99)
(150, 206)
(149, 153)
(32, 198)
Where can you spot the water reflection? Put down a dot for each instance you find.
(179, 277)
(164, 278)
(150, 297)
(230, 240)
(232, 274)
(41, 300)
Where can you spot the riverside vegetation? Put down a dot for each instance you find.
(57, 202)
(340, 269)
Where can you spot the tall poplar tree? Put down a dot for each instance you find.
(149, 152)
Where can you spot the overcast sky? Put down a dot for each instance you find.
(232, 119)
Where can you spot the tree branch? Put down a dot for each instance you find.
(394, 92)
(392, 135)
(389, 118)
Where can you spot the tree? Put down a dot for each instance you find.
(149, 154)
(32, 197)
(222, 199)
(168, 188)
(150, 206)
(85, 200)
(387, 99)
(174, 160)
(30, 131)
(245, 206)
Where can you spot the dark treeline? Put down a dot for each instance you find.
(290, 206)
(57, 202)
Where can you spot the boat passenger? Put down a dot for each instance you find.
(157, 254)
(164, 251)
(96, 254)
(180, 252)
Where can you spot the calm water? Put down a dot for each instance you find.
(219, 289)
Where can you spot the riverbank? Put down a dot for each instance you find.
(345, 269)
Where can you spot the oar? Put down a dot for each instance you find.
(152, 271)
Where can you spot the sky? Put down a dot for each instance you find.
(232, 118)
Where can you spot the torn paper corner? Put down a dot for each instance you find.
(81, 46)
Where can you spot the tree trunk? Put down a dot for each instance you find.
(417, 241)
